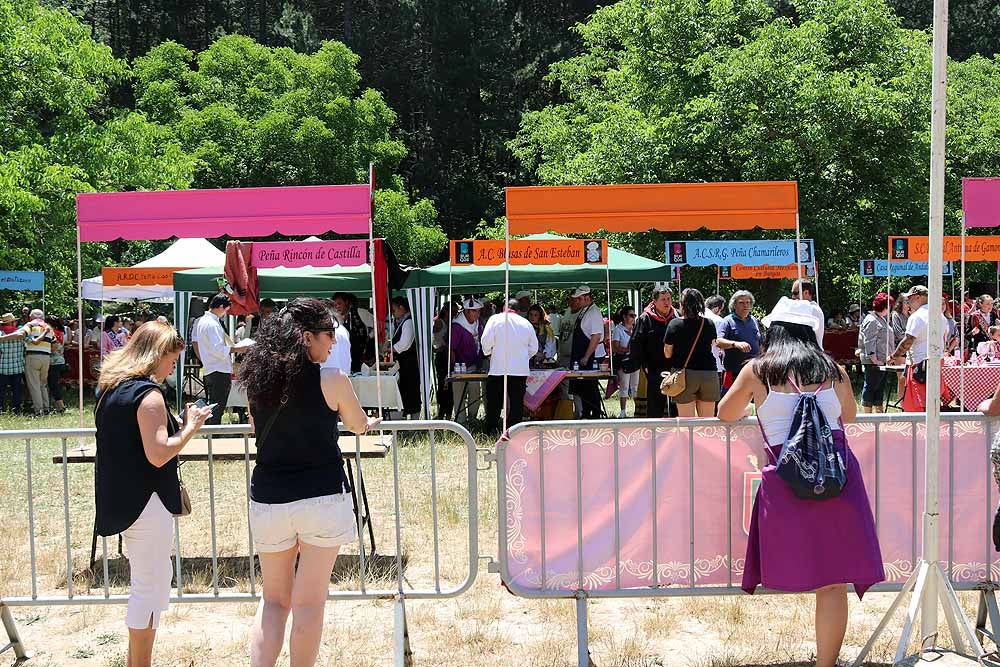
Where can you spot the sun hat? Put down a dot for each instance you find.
(855, 308)
(582, 290)
(523, 294)
(793, 311)
(7, 318)
(918, 290)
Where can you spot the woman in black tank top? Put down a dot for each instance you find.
(300, 503)
(135, 477)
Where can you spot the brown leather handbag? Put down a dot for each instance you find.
(675, 382)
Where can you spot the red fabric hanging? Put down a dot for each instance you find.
(381, 296)
(241, 278)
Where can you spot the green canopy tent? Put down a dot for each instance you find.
(624, 270)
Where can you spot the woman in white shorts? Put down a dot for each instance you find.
(136, 488)
(621, 337)
(300, 499)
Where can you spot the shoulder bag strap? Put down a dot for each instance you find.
(693, 344)
(270, 422)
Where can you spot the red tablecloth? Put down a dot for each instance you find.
(980, 383)
(91, 363)
(840, 344)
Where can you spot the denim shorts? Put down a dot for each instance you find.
(324, 521)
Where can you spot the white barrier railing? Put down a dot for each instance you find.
(58, 507)
(652, 508)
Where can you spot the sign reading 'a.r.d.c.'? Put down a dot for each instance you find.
(112, 276)
(529, 251)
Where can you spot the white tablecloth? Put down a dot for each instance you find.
(365, 387)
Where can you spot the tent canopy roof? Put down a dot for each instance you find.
(624, 267)
(181, 253)
(187, 253)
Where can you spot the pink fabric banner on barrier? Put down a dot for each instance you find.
(981, 202)
(297, 254)
(240, 212)
(706, 524)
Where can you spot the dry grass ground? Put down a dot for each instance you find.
(484, 627)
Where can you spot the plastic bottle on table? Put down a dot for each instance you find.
(576, 366)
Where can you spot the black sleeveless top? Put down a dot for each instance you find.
(300, 457)
(124, 479)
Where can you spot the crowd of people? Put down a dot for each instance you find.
(300, 506)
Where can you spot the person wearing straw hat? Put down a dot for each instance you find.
(523, 302)
(466, 349)
(915, 345)
(797, 544)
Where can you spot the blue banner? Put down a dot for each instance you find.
(879, 268)
(22, 280)
(745, 253)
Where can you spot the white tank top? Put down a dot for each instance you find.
(775, 413)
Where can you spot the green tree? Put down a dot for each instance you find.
(60, 135)
(252, 115)
(836, 98)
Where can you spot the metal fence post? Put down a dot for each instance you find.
(582, 641)
(13, 638)
(403, 657)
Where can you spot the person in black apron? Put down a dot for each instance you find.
(404, 349)
(583, 352)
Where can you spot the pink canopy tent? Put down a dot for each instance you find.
(241, 212)
(244, 212)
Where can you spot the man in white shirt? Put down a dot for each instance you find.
(511, 341)
(340, 353)
(916, 338)
(588, 334)
(214, 348)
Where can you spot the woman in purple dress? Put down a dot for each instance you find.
(800, 545)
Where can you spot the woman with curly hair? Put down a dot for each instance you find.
(300, 500)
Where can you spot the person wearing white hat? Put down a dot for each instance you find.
(523, 302)
(915, 342)
(466, 348)
(588, 334)
(793, 545)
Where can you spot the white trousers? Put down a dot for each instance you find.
(147, 544)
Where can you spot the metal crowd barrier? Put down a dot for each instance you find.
(387, 583)
(554, 472)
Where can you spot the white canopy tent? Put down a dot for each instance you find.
(182, 253)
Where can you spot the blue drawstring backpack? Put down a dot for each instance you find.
(809, 462)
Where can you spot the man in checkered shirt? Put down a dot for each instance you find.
(11, 365)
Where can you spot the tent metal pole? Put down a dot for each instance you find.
(79, 324)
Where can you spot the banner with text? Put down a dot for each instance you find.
(296, 254)
(879, 268)
(766, 272)
(488, 252)
(746, 253)
(977, 248)
(22, 280)
(126, 276)
(702, 496)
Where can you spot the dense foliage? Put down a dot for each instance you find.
(455, 100)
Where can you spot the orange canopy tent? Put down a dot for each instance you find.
(581, 209)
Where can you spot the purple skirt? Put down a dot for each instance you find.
(799, 545)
